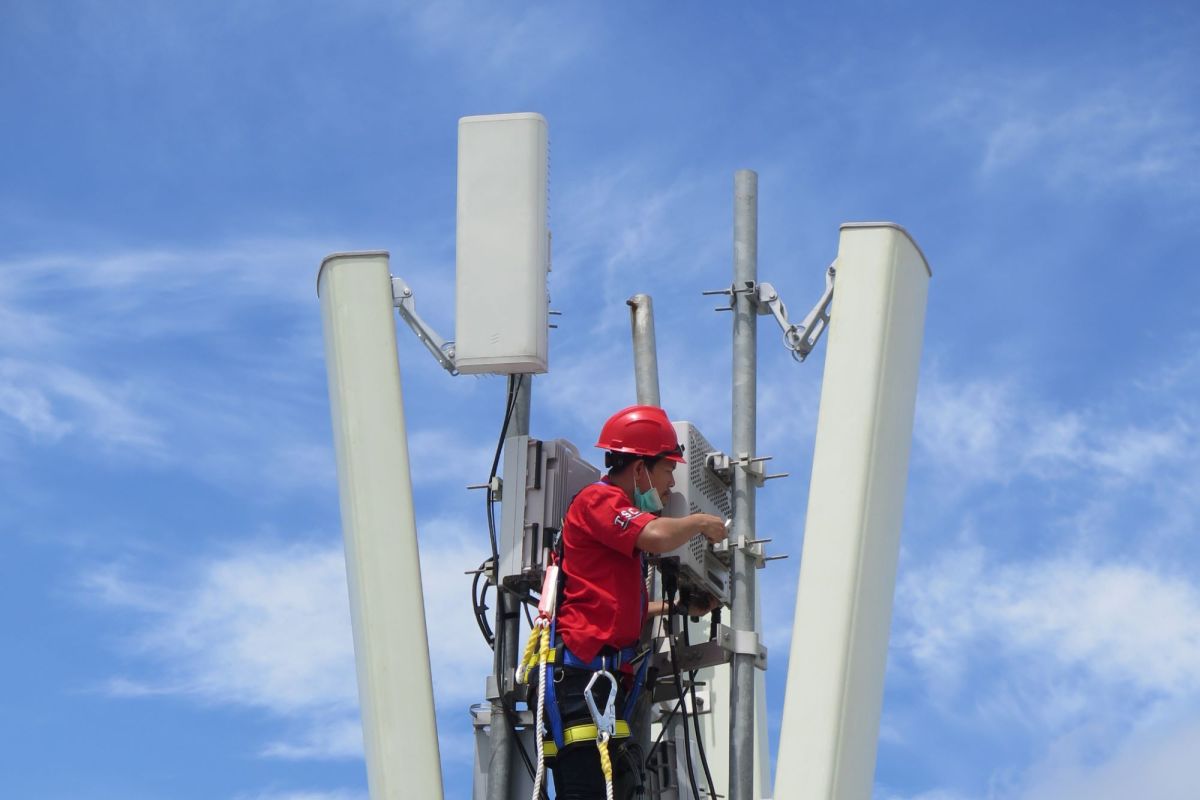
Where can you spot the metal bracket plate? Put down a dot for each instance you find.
(742, 643)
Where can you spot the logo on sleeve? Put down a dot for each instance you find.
(624, 516)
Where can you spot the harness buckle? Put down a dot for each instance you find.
(606, 723)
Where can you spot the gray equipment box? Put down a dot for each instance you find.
(698, 490)
(540, 480)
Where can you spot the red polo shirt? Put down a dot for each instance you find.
(604, 595)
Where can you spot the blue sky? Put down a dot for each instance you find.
(172, 587)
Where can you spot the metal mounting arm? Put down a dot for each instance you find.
(802, 338)
(405, 302)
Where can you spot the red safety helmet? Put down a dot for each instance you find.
(642, 431)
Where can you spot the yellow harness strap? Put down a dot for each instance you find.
(584, 732)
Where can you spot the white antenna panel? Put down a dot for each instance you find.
(503, 245)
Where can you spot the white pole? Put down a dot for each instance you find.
(391, 648)
(834, 696)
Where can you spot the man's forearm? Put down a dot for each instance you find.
(665, 534)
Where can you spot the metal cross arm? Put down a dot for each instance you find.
(802, 338)
(406, 304)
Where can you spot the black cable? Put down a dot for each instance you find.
(631, 753)
(510, 715)
(712, 789)
(520, 745)
(514, 389)
(669, 584)
(479, 606)
(664, 722)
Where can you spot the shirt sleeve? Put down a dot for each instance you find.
(612, 521)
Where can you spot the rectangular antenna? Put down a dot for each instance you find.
(827, 743)
(503, 245)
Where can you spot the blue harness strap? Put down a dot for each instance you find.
(639, 679)
(556, 724)
(624, 656)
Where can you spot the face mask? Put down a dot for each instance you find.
(648, 500)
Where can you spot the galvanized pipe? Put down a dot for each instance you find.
(508, 622)
(645, 372)
(645, 349)
(745, 354)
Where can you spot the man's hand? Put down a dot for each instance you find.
(664, 534)
(712, 527)
(699, 606)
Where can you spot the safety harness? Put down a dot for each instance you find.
(541, 651)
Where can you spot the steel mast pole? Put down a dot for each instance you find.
(645, 370)
(508, 621)
(645, 349)
(745, 366)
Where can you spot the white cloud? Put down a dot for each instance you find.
(446, 457)
(522, 48)
(629, 229)
(1157, 761)
(1133, 127)
(587, 390)
(336, 794)
(1060, 633)
(966, 426)
(936, 794)
(52, 402)
(459, 657)
(268, 627)
(206, 360)
(334, 739)
(992, 429)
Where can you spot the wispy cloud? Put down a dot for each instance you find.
(1099, 625)
(206, 360)
(1049, 610)
(1157, 760)
(337, 739)
(445, 456)
(993, 429)
(1128, 128)
(631, 228)
(52, 402)
(937, 794)
(449, 547)
(268, 626)
(337, 794)
(522, 46)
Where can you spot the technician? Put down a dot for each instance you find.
(608, 530)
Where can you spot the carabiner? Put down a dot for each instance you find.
(606, 723)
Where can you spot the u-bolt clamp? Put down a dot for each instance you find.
(606, 723)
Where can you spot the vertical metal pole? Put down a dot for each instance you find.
(745, 354)
(507, 622)
(645, 370)
(645, 349)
